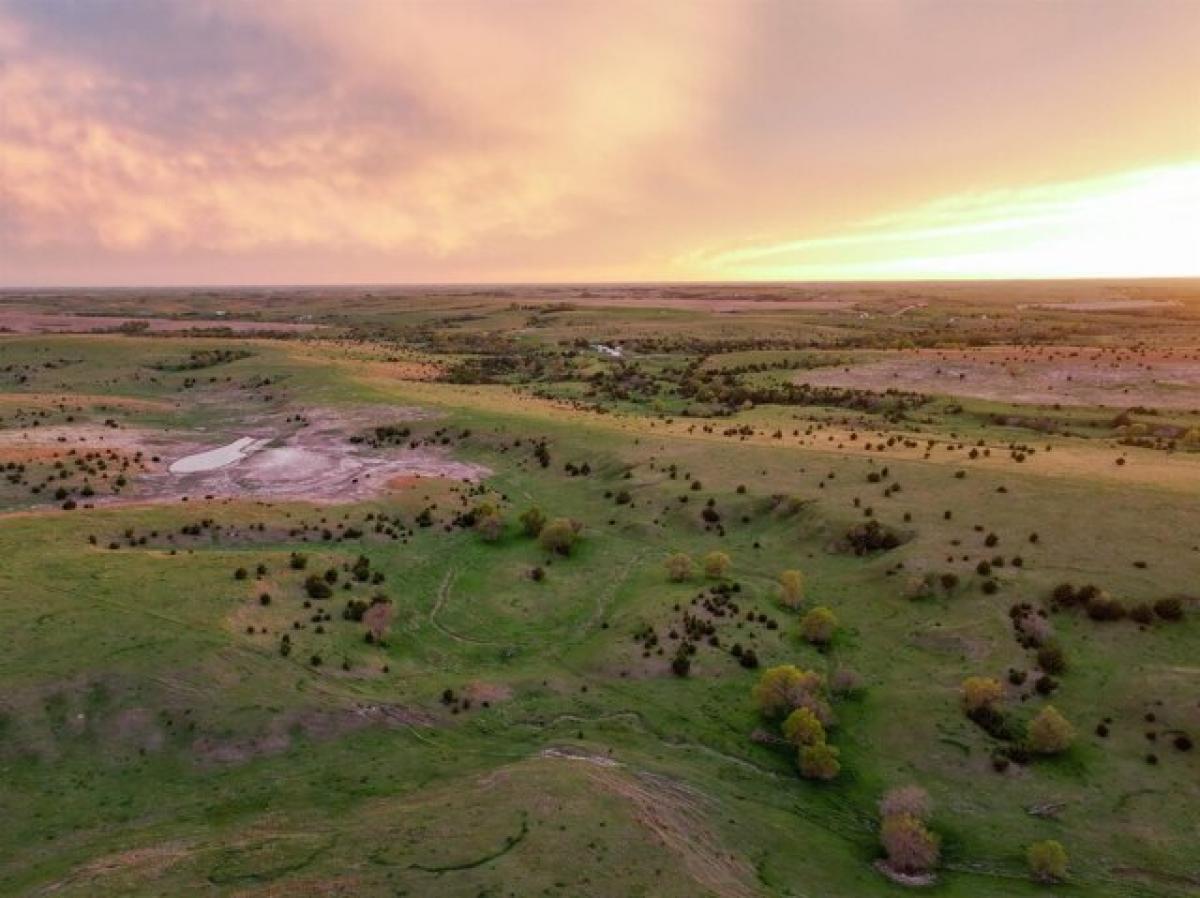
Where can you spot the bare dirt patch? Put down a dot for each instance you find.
(1038, 375)
(1104, 305)
(480, 692)
(317, 462)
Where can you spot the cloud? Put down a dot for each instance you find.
(234, 127)
(166, 140)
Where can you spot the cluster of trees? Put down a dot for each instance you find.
(1100, 606)
(557, 535)
(871, 536)
(798, 700)
(680, 566)
(910, 847)
(1047, 733)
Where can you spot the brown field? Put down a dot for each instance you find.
(1062, 375)
(17, 321)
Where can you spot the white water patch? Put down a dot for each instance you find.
(222, 456)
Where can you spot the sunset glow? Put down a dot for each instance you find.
(159, 142)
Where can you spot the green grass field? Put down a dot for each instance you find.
(513, 736)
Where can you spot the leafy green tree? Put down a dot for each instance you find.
(819, 761)
(1049, 732)
(1047, 861)
(560, 535)
(819, 625)
(803, 728)
(716, 565)
(780, 690)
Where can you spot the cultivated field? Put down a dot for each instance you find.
(601, 591)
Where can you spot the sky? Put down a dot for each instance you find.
(147, 142)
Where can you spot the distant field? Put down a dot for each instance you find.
(349, 663)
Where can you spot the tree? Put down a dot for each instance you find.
(378, 619)
(532, 521)
(980, 692)
(803, 728)
(560, 535)
(679, 567)
(716, 565)
(911, 800)
(780, 690)
(910, 847)
(819, 625)
(819, 761)
(791, 588)
(490, 526)
(1049, 732)
(1051, 658)
(1047, 861)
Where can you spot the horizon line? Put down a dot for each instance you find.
(766, 282)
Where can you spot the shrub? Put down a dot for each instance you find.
(871, 537)
(1051, 658)
(980, 692)
(240, 574)
(802, 728)
(1047, 861)
(532, 521)
(910, 847)
(681, 664)
(298, 562)
(1063, 595)
(791, 588)
(679, 567)
(819, 625)
(716, 565)
(1037, 629)
(316, 587)
(1169, 609)
(1101, 607)
(1142, 612)
(819, 761)
(911, 800)
(560, 535)
(1049, 732)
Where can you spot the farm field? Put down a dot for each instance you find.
(658, 590)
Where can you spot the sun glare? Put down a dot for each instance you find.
(1140, 223)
